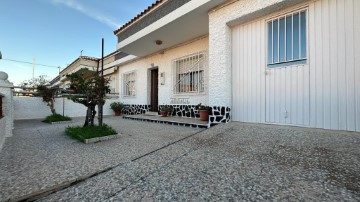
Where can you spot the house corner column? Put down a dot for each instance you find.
(220, 88)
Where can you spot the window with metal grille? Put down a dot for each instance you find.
(129, 84)
(189, 73)
(1, 107)
(287, 38)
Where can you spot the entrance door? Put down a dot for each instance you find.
(263, 94)
(288, 95)
(154, 90)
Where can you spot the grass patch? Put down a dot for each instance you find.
(88, 132)
(56, 118)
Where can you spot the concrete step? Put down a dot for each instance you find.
(151, 113)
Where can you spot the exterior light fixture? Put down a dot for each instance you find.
(158, 42)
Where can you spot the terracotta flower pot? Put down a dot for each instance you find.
(164, 114)
(204, 115)
(117, 113)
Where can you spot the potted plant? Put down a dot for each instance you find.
(165, 110)
(116, 107)
(204, 112)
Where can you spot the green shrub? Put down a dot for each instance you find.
(116, 106)
(88, 132)
(202, 107)
(56, 118)
(167, 108)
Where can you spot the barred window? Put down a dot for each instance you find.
(113, 84)
(129, 84)
(189, 73)
(287, 38)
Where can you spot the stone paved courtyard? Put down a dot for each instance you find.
(234, 161)
(39, 156)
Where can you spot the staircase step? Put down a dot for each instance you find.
(151, 113)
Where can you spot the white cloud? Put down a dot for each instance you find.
(89, 12)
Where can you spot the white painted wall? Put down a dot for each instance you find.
(163, 61)
(30, 108)
(35, 108)
(328, 85)
(248, 73)
(335, 61)
(220, 22)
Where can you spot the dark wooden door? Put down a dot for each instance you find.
(154, 90)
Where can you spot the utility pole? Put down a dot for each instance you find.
(101, 103)
(33, 72)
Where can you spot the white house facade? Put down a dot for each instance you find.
(167, 83)
(287, 62)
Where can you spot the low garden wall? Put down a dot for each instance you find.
(35, 108)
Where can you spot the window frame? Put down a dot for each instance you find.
(199, 71)
(293, 61)
(126, 93)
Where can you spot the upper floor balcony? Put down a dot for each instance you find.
(165, 24)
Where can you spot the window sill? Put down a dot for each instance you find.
(285, 64)
(189, 94)
(128, 97)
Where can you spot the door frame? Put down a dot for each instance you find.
(151, 71)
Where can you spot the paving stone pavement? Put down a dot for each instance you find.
(40, 157)
(235, 162)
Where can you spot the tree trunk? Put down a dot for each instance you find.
(93, 113)
(88, 116)
(100, 109)
(52, 108)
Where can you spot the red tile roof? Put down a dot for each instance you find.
(146, 11)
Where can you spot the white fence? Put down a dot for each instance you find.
(35, 108)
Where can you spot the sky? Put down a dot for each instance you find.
(53, 32)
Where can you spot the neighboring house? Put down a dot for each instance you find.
(86, 65)
(55, 82)
(288, 62)
(110, 71)
(82, 64)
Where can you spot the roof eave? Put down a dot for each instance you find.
(141, 15)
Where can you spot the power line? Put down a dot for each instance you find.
(31, 63)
